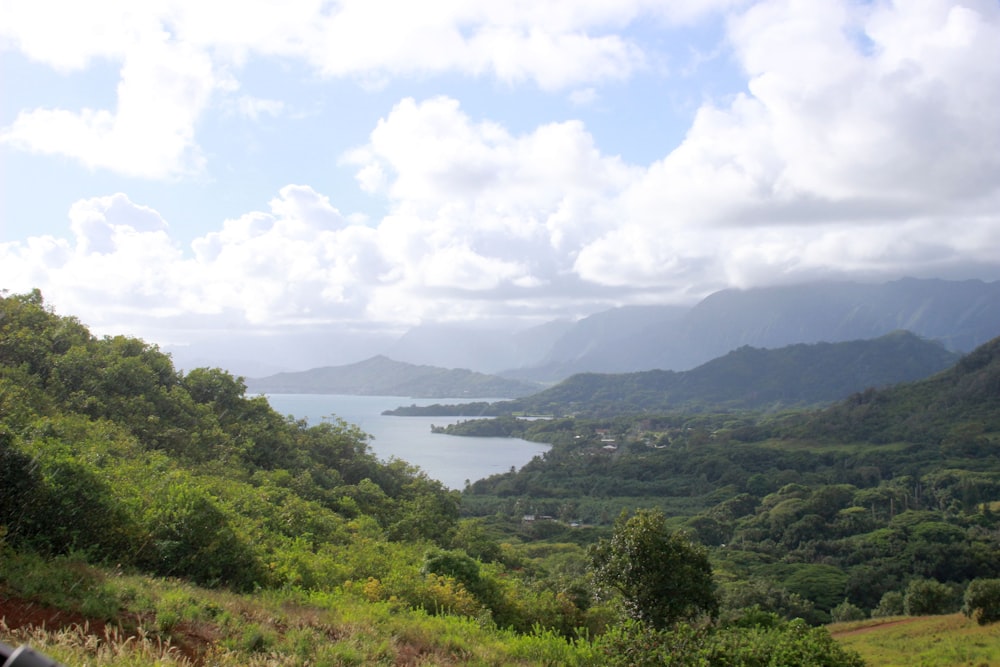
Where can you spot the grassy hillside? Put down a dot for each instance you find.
(950, 640)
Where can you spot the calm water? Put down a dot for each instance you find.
(447, 458)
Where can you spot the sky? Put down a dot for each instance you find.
(191, 171)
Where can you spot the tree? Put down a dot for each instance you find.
(845, 611)
(662, 576)
(926, 597)
(891, 604)
(982, 601)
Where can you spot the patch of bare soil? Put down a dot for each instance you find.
(191, 640)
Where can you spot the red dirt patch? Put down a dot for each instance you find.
(18, 613)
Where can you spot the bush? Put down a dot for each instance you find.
(745, 600)
(982, 601)
(845, 611)
(191, 537)
(891, 604)
(925, 597)
(792, 644)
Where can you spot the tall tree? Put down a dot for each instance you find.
(662, 576)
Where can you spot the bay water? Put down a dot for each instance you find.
(452, 460)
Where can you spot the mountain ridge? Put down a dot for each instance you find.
(959, 314)
(747, 378)
(382, 376)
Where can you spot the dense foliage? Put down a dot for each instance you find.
(851, 503)
(772, 644)
(982, 601)
(106, 449)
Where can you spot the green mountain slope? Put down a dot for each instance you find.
(747, 378)
(381, 376)
(956, 406)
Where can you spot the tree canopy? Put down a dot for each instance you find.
(662, 576)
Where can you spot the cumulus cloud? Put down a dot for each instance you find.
(866, 143)
(172, 56)
(120, 261)
(164, 88)
(861, 124)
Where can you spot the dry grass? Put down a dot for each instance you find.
(80, 645)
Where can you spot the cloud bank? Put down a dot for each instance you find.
(866, 144)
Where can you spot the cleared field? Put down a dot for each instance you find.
(922, 641)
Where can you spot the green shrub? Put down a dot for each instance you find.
(191, 537)
(755, 596)
(661, 575)
(792, 644)
(845, 611)
(891, 604)
(982, 601)
(925, 597)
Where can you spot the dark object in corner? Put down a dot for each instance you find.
(24, 656)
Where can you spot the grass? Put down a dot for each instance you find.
(925, 641)
(81, 615)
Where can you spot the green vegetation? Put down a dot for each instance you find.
(982, 601)
(887, 496)
(663, 578)
(928, 641)
(153, 517)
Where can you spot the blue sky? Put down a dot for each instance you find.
(193, 171)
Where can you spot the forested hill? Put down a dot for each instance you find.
(106, 449)
(954, 408)
(381, 376)
(746, 378)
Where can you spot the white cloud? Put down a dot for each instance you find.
(69, 35)
(173, 50)
(862, 126)
(867, 142)
(431, 157)
(898, 112)
(120, 263)
(164, 88)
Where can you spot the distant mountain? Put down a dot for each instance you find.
(381, 376)
(602, 342)
(961, 315)
(746, 378)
